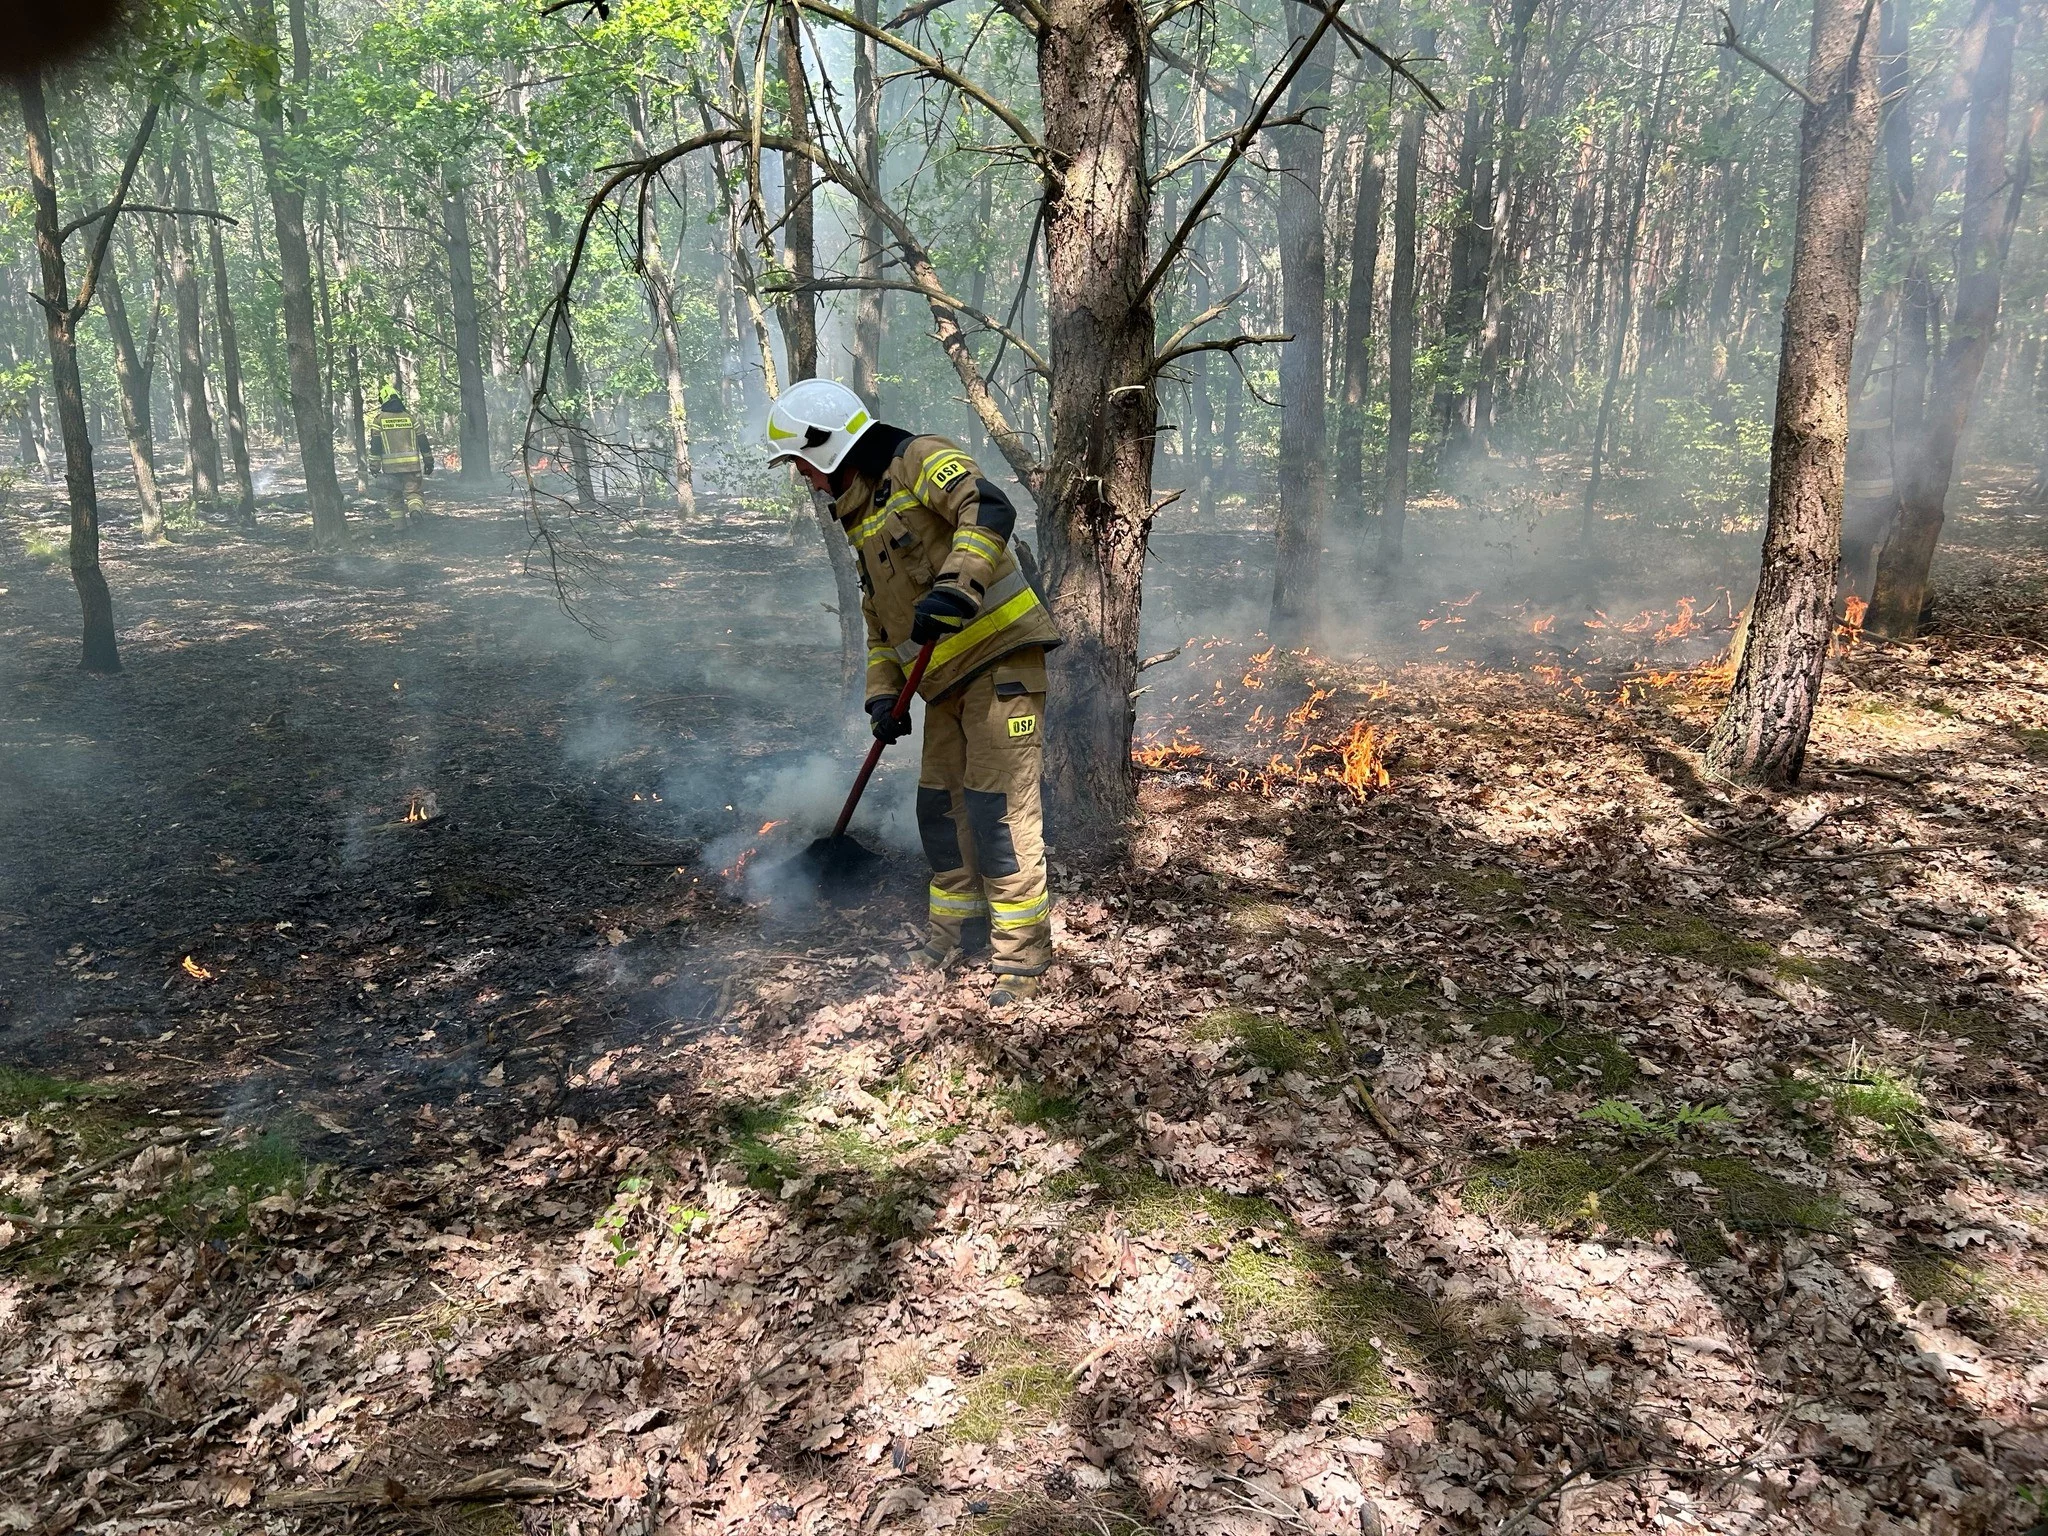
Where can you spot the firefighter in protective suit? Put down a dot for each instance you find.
(401, 454)
(932, 539)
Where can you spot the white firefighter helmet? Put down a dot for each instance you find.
(816, 420)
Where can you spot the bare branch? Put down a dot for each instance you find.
(99, 250)
(184, 213)
(1732, 41)
(1204, 317)
(1215, 85)
(932, 65)
(1222, 344)
(888, 285)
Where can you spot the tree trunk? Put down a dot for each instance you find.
(799, 314)
(867, 149)
(295, 271)
(202, 448)
(474, 436)
(1991, 205)
(95, 603)
(1095, 503)
(578, 409)
(1348, 491)
(1401, 330)
(1617, 346)
(224, 331)
(133, 378)
(1762, 733)
(1304, 429)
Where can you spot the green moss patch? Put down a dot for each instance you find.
(1563, 1189)
(864, 1171)
(1565, 1053)
(1866, 1094)
(1692, 937)
(1389, 993)
(1019, 1390)
(1270, 1042)
(1030, 1103)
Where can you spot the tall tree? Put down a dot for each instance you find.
(474, 437)
(1348, 480)
(1762, 733)
(224, 329)
(280, 122)
(1401, 329)
(133, 378)
(867, 150)
(1304, 435)
(1992, 194)
(61, 314)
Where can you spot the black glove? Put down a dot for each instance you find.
(941, 612)
(888, 727)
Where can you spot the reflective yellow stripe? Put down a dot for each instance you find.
(949, 904)
(983, 627)
(1002, 604)
(872, 523)
(935, 463)
(1021, 914)
(978, 541)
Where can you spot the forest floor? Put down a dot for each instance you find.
(1546, 1138)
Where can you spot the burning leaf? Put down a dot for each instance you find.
(424, 805)
(196, 971)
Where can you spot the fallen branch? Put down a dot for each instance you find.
(1361, 1095)
(1929, 925)
(498, 1483)
(1864, 770)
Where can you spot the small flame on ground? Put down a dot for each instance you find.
(1544, 625)
(1853, 610)
(424, 805)
(195, 970)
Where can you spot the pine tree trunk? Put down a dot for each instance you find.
(133, 379)
(224, 331)
(474, 437)
(1762, 733)
(1991, 204)
(867, 149)
(1296, 616)
(202, 448)
(1355, 386)
(295, 274)
(96, 603)
(578, 403)
(799, 314)
(1401, 330)
(1095, 503)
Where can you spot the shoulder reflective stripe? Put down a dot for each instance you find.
(978, 541)
(936, 463)
(1021, 914)
(951, 904)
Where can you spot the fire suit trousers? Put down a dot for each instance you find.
(978, 812)
(405, 495)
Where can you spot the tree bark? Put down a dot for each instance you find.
(1617, 346)
(1348, 491)
(1095, 505)
(202, 448)
(133, 379)
(275, 131)
(1296, 616)
(474, 435)
(224, 331)
(1762, 733)
(1991, 205)
(867, 149)
(96, 603)
(799, 315)
(1401, 330)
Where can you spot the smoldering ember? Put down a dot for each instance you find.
(1024, 768)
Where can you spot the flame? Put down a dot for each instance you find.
(196, 971)
(1362, 763)
(767, 827)
(1850, 630)
(1544, 625)
(1168, 754)
(1684, 624)
(1255, 675)
(423, 805)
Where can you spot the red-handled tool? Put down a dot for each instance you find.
(836, 858)
(900, 711)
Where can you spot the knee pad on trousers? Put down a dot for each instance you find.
(993, 849)
(937, 830)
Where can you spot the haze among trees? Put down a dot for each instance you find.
(1314, 263)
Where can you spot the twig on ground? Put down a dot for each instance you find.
(1867, 771)
(1361, 1095)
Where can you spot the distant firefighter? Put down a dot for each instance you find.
(403, 456)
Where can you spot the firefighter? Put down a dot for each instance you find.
(933, 540)
(400, 452)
